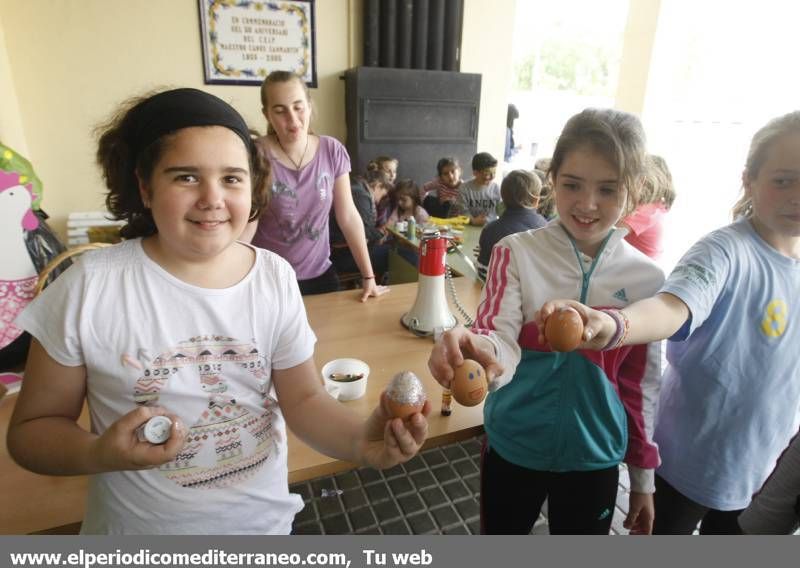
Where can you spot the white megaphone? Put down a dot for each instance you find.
(430, 310)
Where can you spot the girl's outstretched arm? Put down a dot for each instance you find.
(331, 428)
(44, 436)
(652, 319)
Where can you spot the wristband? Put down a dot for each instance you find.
(368, 278)
(623, 327)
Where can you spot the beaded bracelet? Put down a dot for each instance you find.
(623, 327)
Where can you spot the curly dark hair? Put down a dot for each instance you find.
(120, 167)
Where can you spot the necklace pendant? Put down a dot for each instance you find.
(297, 165)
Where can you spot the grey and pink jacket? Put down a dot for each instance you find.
(577, 411)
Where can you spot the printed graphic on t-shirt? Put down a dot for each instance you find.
(480, 206)
(774, 322)
(696, 273)
(324, 183)
(227, 443)
(284, 207)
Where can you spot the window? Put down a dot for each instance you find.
(719, 71)
(566, 58)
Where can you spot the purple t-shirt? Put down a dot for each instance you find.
(295, 225)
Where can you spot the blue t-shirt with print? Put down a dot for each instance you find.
(730, 399)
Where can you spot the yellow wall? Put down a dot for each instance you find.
(11, 131)
(486, 45)
(640, 34)
(70, 62)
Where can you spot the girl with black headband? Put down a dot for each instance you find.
(182, 320)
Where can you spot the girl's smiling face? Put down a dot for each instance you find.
(589, 198)
(199, 192)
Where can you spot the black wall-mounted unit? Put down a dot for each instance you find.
(415, 116)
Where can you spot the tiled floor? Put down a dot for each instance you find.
(437, 492)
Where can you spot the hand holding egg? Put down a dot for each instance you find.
(469, 384)
(405, 395)
(563, 329)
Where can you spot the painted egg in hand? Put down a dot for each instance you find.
(564, 329)
(405, 395)
(469, 385)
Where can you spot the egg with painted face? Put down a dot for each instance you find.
(469, 385)
(405, 395)
(564, 329)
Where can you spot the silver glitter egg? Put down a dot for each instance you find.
(406, 388)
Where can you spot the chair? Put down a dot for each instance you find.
(57, 260)
(348, 280)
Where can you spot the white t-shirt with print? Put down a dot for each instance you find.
(206, 355)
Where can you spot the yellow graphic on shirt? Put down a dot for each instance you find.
(774, 324)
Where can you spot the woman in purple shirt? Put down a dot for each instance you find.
(309, 177)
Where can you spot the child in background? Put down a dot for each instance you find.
(543, 164)
(172, 322)
(730, 394)
(384, 207)
(388, 165)
(646, 224)
(547, 203)
(520, 193)
(559, 424)
(440, 194)
(512, 114)
(478, 197)
(367, 192)
(406, 196)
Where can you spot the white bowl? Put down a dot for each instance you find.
(349, 390)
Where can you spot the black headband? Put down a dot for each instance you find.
(183, 108)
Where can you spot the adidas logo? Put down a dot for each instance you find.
(620, 295)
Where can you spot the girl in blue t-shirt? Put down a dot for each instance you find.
(729, 402)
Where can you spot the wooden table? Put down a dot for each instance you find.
(345, 328)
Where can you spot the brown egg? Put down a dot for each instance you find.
(405, 395)
(469, 385)
(564, 329)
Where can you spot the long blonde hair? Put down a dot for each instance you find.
(759, 146)
(658, 186)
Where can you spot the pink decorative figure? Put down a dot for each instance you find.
(18, 274)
